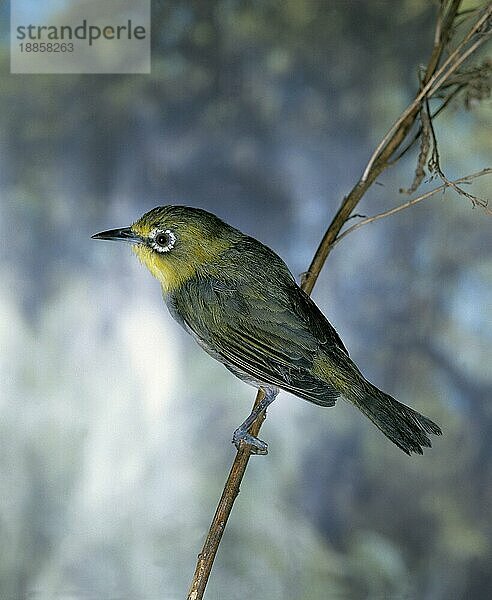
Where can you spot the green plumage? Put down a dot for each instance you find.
(243, 306)
(259, 323)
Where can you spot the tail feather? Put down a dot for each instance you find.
(404, 426)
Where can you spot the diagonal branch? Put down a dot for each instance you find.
(442, 188)
(434, 78)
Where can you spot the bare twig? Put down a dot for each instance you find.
(425, 134)
(442, 188)
(475, 84)
(224, 508)
(434, 78)
(435, 165)
(475, 200)
(380, 158)
(436, 113)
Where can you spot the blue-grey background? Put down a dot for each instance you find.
(115, 428)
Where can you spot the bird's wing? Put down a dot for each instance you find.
(272, 337)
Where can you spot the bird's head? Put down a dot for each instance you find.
(175, 242)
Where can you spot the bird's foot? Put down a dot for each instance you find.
(241, 437)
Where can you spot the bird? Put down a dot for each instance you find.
(240, 302)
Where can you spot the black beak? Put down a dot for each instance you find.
(125, 234)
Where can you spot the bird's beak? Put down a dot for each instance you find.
(125, 234)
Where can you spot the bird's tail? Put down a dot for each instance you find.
(404, 426)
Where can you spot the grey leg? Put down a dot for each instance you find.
(241, 434)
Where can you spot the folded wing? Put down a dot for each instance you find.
(271, 336)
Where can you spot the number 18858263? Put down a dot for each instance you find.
(46, 47)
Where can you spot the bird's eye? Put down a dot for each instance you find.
(162, 241)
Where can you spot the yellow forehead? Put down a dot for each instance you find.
(143, 229)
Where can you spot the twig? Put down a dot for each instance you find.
(435, 164)
(433, 80)
(436, 113)
(475, 200)
(224, 508)
(379, 160)
(425, 133)
(441, 188)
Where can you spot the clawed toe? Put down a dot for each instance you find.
(256, 446)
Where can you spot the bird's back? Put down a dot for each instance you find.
(257, 321)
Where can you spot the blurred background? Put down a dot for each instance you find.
(115, 427)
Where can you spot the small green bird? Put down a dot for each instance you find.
(240, 302)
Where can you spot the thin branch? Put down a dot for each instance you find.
(475, 84)
(413, 201)
(436, 113)
(379, 160)
(471, 50)
(224, 508)
(475, 200)
(435, 165)
(434, 78)
(433, 83)
(425, 129)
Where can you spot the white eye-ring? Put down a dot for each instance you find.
(162, 241)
